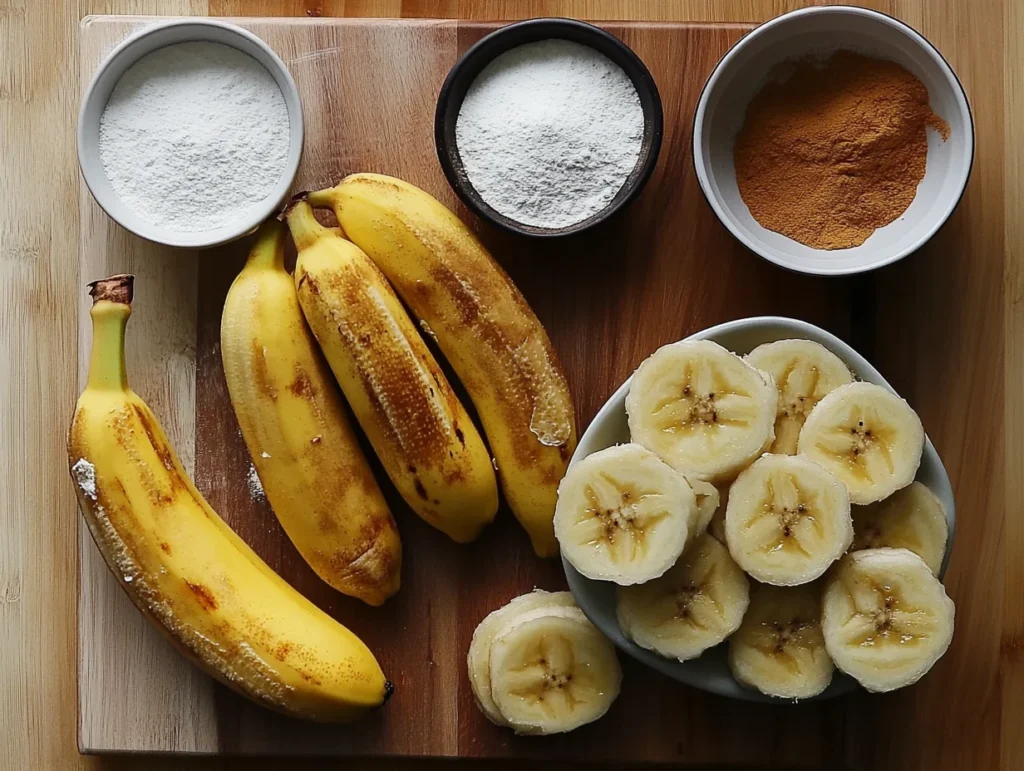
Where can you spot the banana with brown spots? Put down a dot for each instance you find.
(292, 418)
(484, 327)
(419, 429)
(184, 568)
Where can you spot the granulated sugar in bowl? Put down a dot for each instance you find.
(549, 132)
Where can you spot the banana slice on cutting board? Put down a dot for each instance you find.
(478, 658)
(707, 498)
(623, 515)
(868, 437)
(552, 671)
(702, 409)
(694, 606)
(911, 518)
(804, 373)
(886, 618)
(787, 520)
(779, 649)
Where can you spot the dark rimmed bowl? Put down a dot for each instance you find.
(469, 66)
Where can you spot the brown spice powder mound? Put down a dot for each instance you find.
(835, 151)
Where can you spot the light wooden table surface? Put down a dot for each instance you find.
(40, 291)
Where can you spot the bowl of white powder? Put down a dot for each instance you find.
(190, 133)
(548, 127)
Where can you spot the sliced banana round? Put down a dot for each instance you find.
(707, 498)
(911, 518)
(693, 607)
(868, 437)
(623, 515)
(779, 648)
(886, 618)
(804, 372)
(702, 409)
(552, 671)
(478, 658)
(787, 520)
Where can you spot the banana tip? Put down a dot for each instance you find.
(389, 690)
(115, 289)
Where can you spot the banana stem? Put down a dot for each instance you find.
(306, 231)
(112, 298)
(321, 199)
(268, 251)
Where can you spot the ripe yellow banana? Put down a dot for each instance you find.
(485, 328)
(313, 472)
(417, 426)
(184, 568)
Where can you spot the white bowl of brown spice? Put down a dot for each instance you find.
(833, 140)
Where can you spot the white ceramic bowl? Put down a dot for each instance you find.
(818, 31)
(710, 672)
(132, 49)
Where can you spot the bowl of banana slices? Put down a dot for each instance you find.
(758, 514)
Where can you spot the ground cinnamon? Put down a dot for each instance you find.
(836, 151)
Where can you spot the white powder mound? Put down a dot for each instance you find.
(549, 132)
(255, 485)
(85, 477)
(194, 135)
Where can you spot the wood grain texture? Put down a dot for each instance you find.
(967, 717)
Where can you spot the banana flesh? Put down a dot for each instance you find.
(313, 472)
(911, 518)
(702, 409)
(623, 515)
(696, 605)
(484, 327)
(804, 372)
(886, 618)
(868, 437)
(552, 671)
(420, 431)
(185, 569)
(779, 648)
(787, 520)
(478, 658)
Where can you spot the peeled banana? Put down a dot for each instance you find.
(911, 518)
(702, 409)
(420, 431)
(697, 604)
(886, 618)
(623, 515)
(484, 327)
(787, 520)
(779, 648)
(707, 498)
(804, 372)
(868, 437)
(289, 410)
(184, 568)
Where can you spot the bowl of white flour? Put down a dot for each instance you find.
(548, 127)
(190, 133)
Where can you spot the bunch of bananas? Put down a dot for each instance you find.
(287, 343)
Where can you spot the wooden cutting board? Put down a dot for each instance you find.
(608, 298)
